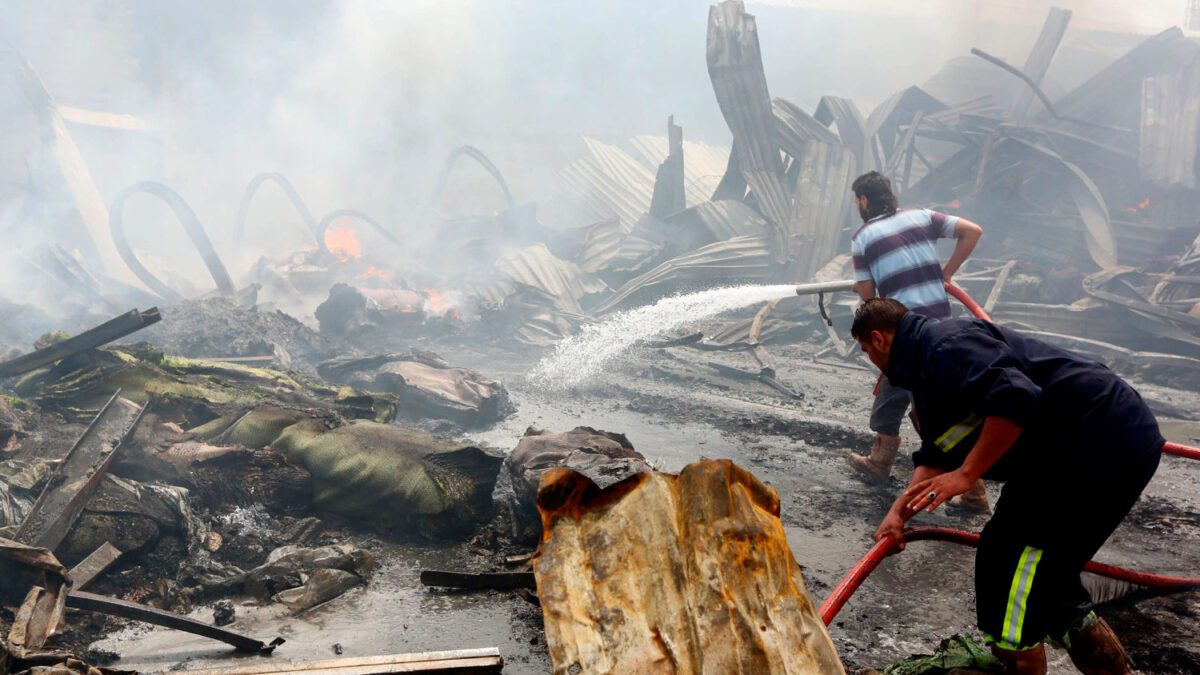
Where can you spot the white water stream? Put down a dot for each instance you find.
(581, 357)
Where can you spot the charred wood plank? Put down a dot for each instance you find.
(131, 610)
(482, 581)
(483, 660)
(93, 566)
(74, 480)
(113, 329)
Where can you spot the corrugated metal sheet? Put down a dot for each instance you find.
(1169, 138)
(703, 164)
(746, 258)
(538, 268)
(600, 245)
(728, 218)
(821, 205)
(795, 127)
(851, 126)
(773, 198)
(736, 70)
(611, 182)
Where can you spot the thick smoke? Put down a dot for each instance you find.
(359, 102)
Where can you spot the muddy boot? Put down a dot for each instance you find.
(1095, 650)
(1026, 662)
(974, 499)
(878, 465)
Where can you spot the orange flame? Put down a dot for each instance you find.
(373, 271)
(955, 204)
(342, 241)
(439, 304)
(1139, 207)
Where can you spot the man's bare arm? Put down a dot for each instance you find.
(865, 289)
(893, 522)
(967, 235)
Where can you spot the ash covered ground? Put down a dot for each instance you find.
(675, 409)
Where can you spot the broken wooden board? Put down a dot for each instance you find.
(482, 660)
(704, 583)
(74, 480)
(93, 566)
(132, 610)
(113, 329)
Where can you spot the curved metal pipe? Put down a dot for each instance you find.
(478, 156)
(239, 221)
(191, 225)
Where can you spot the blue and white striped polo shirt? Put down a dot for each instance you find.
(899, 253)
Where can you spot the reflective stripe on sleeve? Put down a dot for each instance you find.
(956, 433)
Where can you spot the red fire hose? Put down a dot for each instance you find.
(888, 545)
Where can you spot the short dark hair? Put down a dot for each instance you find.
(877, 314)
(878, 190)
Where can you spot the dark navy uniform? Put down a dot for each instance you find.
(1088, 448)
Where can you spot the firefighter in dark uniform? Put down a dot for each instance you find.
(1067, 436)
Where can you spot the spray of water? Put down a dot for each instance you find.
(581, 357)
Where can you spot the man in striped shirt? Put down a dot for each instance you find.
(895, 256)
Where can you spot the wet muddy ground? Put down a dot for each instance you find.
(675, 409)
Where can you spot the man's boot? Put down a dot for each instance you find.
(1095, 650)
(1025, 662)
(878, 465)
(974, 499)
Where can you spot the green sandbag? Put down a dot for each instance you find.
(367, 470)
(959, 651)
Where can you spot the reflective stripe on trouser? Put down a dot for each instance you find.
(1018, 596)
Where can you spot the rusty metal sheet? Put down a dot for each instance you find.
(679, 592)
(40, 616)
(73, 481)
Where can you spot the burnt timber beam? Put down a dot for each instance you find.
(131, 610)
(74, 480)
(484, 581)
(94, 565)
(113, 329)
